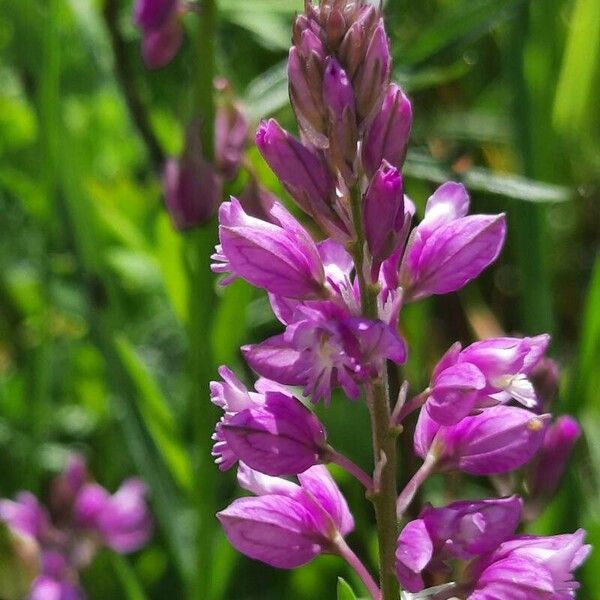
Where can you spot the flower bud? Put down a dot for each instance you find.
(281, 437)
(551, 461)
(383, 214)
(387, 137)
(191, 185)
(545, 378)
(231, 132)
(372, 77)
(25, 516)
(160, 45)
(281, 258)
(342, 133)
(304, 174)
(498, 440)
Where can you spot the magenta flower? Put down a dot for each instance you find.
(506, 364)
(498, 440)
(462, 530)
(82, 517)
(279, 256)
(448, 249)
(387, 137)
(287, 525)
(530, 567)
(271, 431)
(324, 347)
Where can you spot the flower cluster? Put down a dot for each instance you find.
(339, 301)
(80, 518)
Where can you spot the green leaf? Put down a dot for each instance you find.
(480, 179)
(580, 64)
(156, 415)
(132, 588)
(268, 92)
(471, 20)
(344, 591)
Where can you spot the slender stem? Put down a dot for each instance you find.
(408, 493)
(126, 81)
(384, 437)
(335, 457)
(410, 406)
(348, 555)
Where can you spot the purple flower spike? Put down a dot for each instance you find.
(282, 437)
(530, 567)
(454, 393)
(462, 530)
(549, 465)
(191, 185)
(498, 440)
(287, 525)
(384, 215)
(506, 363)
(151, 14)
(305, 175)
(387, 137)
(281, 258)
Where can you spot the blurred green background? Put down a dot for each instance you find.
(111, 324)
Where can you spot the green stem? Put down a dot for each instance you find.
(384, 437)
(201, 310)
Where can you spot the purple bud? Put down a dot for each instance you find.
(281, 258)
(498, 440)
(338, 97)
(305, 75)
(454, 393)
(545, 378)
(530, 567)
(151, 14)
(383, 214)
(549, 465)
(257, 200)
(160, 45)
(231, 133)
(372, 76)
(452, 255)
(191, 185)
(281, 437)
(47, 588)
(304, 174)
(387, 137)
